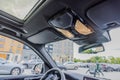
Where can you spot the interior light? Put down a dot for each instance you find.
(82, 29)
(65, 33)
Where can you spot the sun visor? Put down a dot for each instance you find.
(106, 15)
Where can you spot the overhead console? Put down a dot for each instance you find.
(105, 15)
(70, 25)
(73, 27)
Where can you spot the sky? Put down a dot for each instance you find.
(112, 48)
(114, 44)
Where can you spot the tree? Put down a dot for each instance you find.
(77, 60)
(112, 60)
(88, 51)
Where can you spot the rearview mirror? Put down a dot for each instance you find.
(91, 48)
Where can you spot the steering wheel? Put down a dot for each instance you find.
(53, 74)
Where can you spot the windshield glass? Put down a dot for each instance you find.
(104, 64)
(17, 8)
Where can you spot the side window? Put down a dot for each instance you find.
(16, 58)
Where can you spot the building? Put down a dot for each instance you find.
(10, 49)
(29, 54)
(61, 51)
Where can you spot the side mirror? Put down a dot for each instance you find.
(37, 68)
(92, 48)
(4, 62)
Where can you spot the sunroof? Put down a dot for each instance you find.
(17, 8)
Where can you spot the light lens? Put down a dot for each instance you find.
(65, 33)
(82, 29)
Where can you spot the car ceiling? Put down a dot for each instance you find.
(36, 28)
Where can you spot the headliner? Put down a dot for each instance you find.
(37, 22)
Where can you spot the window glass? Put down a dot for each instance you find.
(17, 8)
(103, 64)
(16, 58)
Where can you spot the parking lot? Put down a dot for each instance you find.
(109, 75)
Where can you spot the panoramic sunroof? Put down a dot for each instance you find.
(17, 8)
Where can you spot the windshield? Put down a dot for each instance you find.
(17, 8)
(103, 64)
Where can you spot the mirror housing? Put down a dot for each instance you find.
(92, 48)
(4, 62)
(37, 68)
